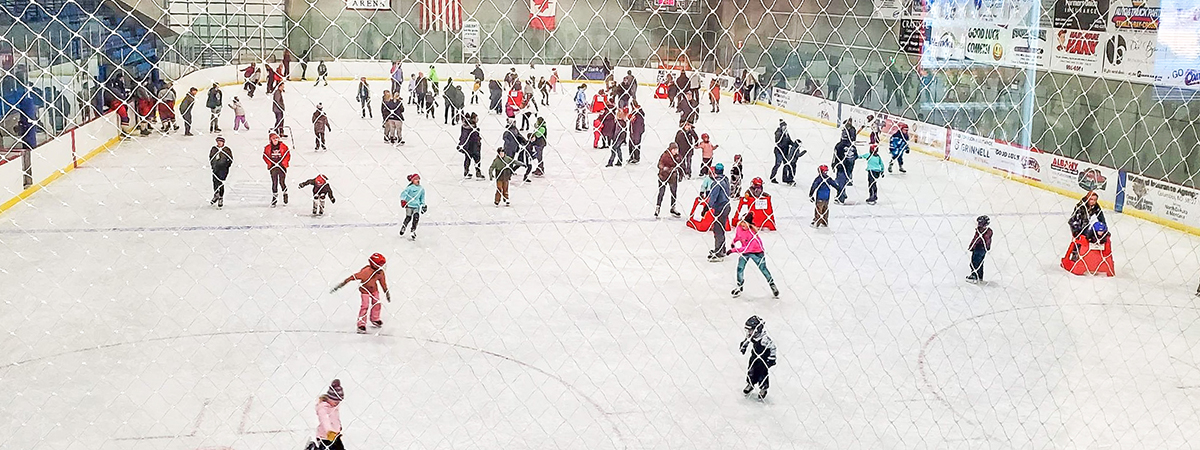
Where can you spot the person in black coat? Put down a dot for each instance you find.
(637, 127)
(782, 144)
(513, 140)
(850, 135)
(495, 93)
(1086, 212)
(842, 152)
(686, 138)
(979, 246)
(214, 103)
(469, 143)
(220, 158)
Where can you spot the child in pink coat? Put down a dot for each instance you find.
(706, 153)
(329, 421)
(747, 242)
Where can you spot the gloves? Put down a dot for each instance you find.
(332, 435)
(745, 345)
(388, 294)
(403, 203)
(424, 208)
(770, 362)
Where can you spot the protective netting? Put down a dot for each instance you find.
(162, 291)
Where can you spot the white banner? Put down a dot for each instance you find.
(945, 45)
(470, 38)
(1162, 199)
(1027, 47)
(996, 154)
(374, 5)
(984, 44)
(1077, 51)
(1130, 57)
(1077, 176)
(814, 107)
(889, 9)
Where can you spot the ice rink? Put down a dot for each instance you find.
(136, 316)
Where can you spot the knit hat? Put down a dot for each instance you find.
(335, 390)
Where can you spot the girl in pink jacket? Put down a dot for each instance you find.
(747, 242)
(329, 421)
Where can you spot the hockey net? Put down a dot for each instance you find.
(140, 315)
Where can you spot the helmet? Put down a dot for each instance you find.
(983, 221)
(320, 179)
(757, 181)
(378, 260)
(720, 168)
(822, 168)
(749, 217)
(1100, 227)
(704, 136)
(754, 326)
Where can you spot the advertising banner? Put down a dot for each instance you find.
(912, 35)
(589, 72)
(1027, 47)
(984, 45)
(1088, 15)
(1129, 56)
(1078, 176)
(470, 38)
(996, 154)
(889, 9)
(813, 107)
(945, 45)
(1077, 51)
(1162, 199)
(1177, 60)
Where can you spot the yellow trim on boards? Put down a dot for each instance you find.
(57, 174)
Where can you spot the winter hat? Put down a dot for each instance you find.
(335, 390)
(220, 138)
(319, 106)
(414, 177)
(1100, 227)
(822, 168)
(983, 221)
(720, 168)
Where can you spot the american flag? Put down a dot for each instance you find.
(441, 15)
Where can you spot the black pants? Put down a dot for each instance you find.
(411, 215)
(278, 181)
(635, 152)
(219, 176)
(718, 229)
(319, 78)
(470, 157)
(279, 122)
(320, 140)
(366, 108)
(187, 124)
(873, 185)
(977, 256)
(451, 114)
(779, 162)
(662, 188)
(615, 152)
(758, 375)
(335, 444)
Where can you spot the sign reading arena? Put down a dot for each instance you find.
(378, 5)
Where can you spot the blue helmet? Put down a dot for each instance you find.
(1100, 227)
(720, 168)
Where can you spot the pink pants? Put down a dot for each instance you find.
(241, 120)
(369, 301)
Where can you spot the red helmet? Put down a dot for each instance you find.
(757, 181)
(823, 169)
(320, 179)
(378, 260)
(704, 136)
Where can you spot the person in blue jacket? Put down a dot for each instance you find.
(819, 194)
(718, 200)
(899, 147)
(874, 173)
(413, 202)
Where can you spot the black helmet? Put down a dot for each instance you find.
(754, 326)
(983, 221)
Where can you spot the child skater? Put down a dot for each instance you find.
(321, 189)
(413, 201)
(706, 153)
(748, 243)
(714, 96)
(368, 277)
(980, 244)
(329, 420)
(762, 357)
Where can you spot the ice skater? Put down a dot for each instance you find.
(899, 147)
(320, 126)
(581, 109)
(371, 280)
(329, 420)
(470, 144)
(714, 96)
(874, 173)
(412, 199)
(706, 153)
(277, 157)
(320, 189)
(364, 98)
(762, 356)
(239, 114)
(669, 174)
(687, 139)
(322, 74)
(214, 104)
(749, 244)
(819, 195)
(980, 244)
(185, 110)
(502, 170)
(842, 151)
(278, 108)
(220, 158)
(718, 200)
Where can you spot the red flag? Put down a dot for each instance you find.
(542, 14)
(441, 15)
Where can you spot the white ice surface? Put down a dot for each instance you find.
(136, 316)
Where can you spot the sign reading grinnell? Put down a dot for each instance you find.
(369, 4)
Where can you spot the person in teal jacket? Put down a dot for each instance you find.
(874, 173)
(413, 202)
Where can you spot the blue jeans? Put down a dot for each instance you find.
(977, 256)
(758, 259)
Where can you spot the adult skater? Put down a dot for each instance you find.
(735, 177)
(364, 98)
(874, 173)
(747, 242)
(420, 91)
(278, 108)
(783, 143)
(495, 97)
(392, 112)
(185, 111)
(214, 104)
(899, 147)
(272, 78)
(397, 77)
(470, 143)
(220, 158)
(714, 96)
(371, 279)
(412, 199)
(672, 89)
(320, 126)
(329, 420)
(819, 194)
(537, 140)
(850, 136)
(706, 153)
(502, 170)
(514, 102)
(322, 74)
(412, 89)
(762, 357)
(620, 135)
(257, 81)
(718, 200)
(842, 151)
(553, 80)
(478, 74)
(544, 88)
(166, 107)
(687, 108)
(669, 174)
(250, 80)
(980, 244)
(637, 127)
(239, 114)
(277, 157)
(581, 108)
(686, 139)
(320, 189)
(513, 140)
(454, 103)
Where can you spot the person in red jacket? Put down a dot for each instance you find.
(516, 100)
(277, 157)
(371, 280)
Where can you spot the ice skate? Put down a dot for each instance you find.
(377, 323)
(656, 211)
(902, 170)
(762, 394)
(748, 389)
(890, 167)
(506, 203)
(737, 292)
(362, 330)
(412, 236)
(676, 213)
(774, 291)
(220, 203)
(285, 198)
(402, 231)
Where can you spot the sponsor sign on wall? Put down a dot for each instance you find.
(984, 45)
(912, 35)
(470, 38)
(889, 9)
(996, 154)
(1077, 51)
(1089, 15)
(1028, 47)
(1078, 176)
(1177, 60)
(1130, 57)
(945, 45)
(814, 107)
(377, 5)
(1162, 199)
